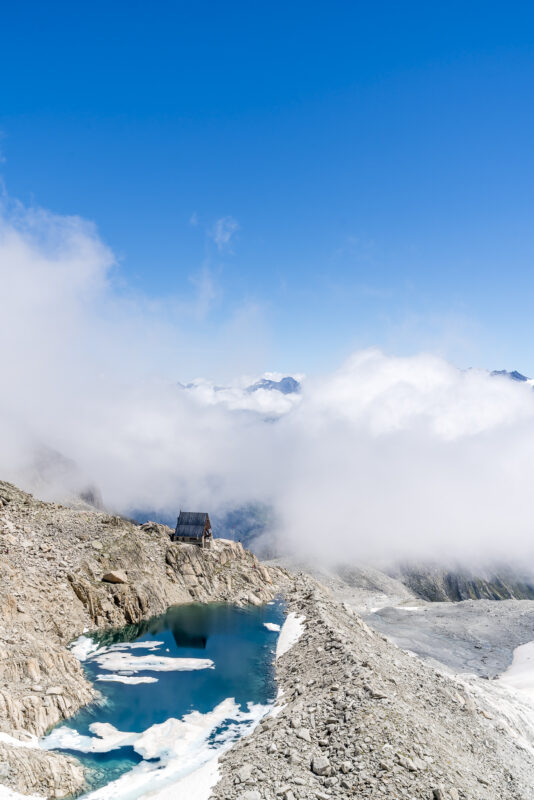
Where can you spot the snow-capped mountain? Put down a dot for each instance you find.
(287, 385)
(272, 395)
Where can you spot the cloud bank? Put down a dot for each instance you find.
(383, 458)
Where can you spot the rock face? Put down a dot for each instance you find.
(359, 718)
(437, 584)
(29, 770)
(366, 587)
(63, 571)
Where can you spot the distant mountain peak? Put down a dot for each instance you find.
(287, 385)
(514, 375)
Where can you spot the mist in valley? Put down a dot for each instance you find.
(385, 458)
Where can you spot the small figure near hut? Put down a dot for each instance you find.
(193, 528)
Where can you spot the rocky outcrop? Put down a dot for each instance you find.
(29, 770)
(65, 570)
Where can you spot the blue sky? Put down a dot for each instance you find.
(351, 174)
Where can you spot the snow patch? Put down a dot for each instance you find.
(82, 647)
(9, 794)
(31, 741)
(520, 674)
(292, 630)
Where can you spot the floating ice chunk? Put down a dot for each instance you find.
(82, 647)
(133, 646)
(116, 661)
(107, 738)
(292, 630)
(127, 678)
(272, 626)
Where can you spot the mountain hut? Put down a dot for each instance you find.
(193, 527)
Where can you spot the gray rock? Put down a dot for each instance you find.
(407, 763)
(304, 734)
(320, 765)
(244, 773)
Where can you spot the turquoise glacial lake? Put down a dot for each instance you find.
(175, 690)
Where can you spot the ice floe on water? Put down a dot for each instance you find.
(85, 647)
(132, 679)
(116, 661)
(116, 658)
(179, 755)
(135, 646)
(272, 626)
(292, 630)
(106, 738)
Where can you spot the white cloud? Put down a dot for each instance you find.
(403, 456)
(223, 231)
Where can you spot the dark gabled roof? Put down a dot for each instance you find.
(192, 524)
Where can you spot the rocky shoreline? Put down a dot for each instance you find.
(64, 571)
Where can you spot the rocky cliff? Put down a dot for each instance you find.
(64, 571)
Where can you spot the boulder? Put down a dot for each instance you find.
(115, 576)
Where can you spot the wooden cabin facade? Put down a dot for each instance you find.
(193, 528)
